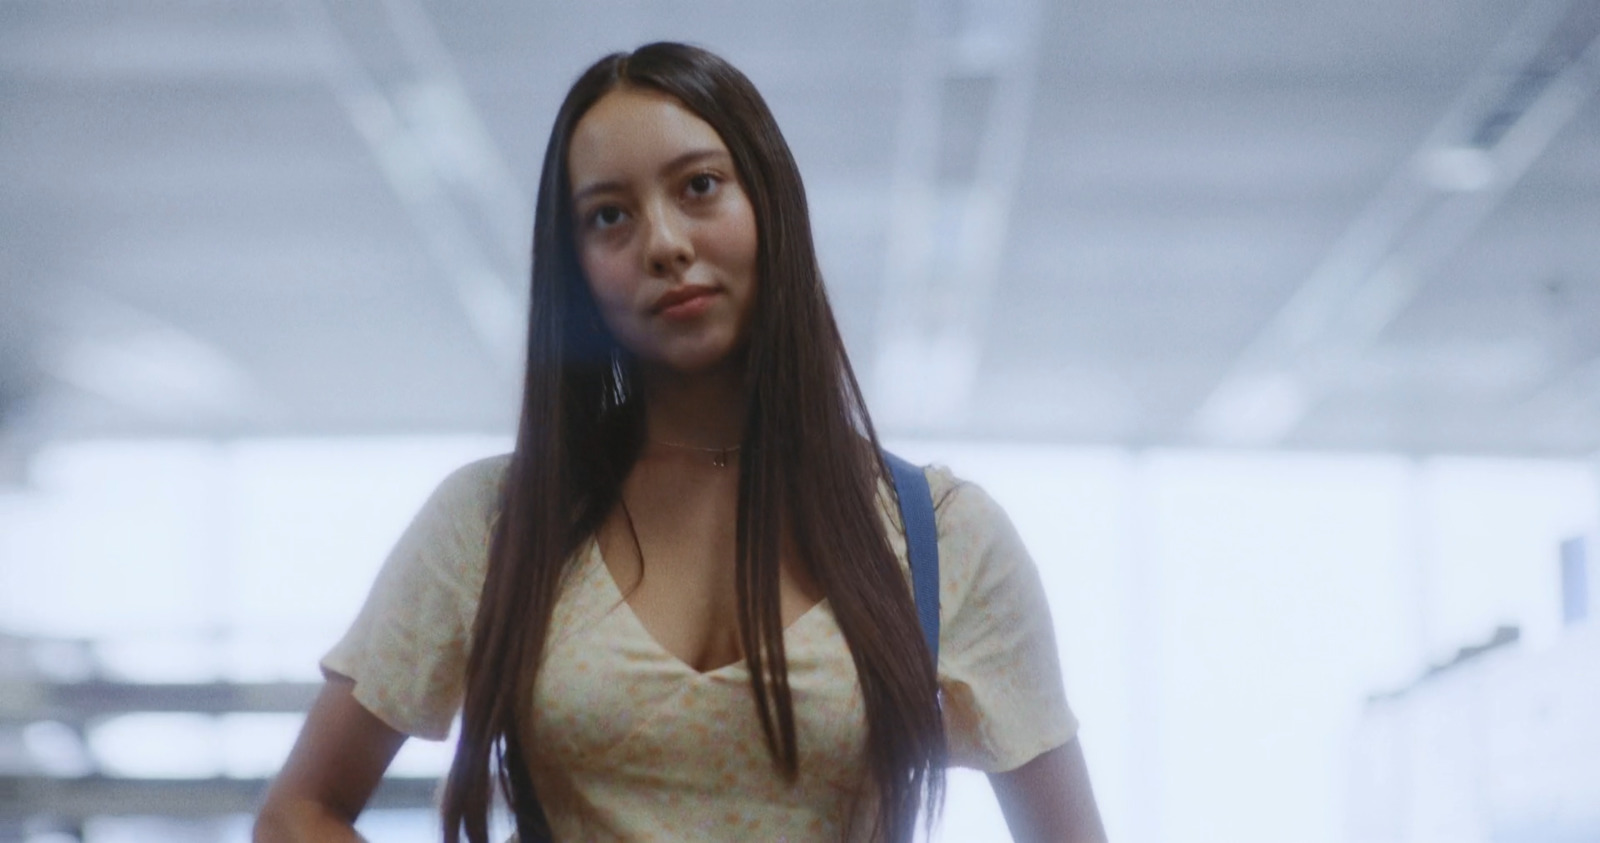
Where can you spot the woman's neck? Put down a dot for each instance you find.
(702, 410)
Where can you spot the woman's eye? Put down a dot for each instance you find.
(702, 184)
(605, 216)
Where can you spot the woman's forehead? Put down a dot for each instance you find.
(635, 131)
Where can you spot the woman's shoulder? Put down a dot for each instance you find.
(452, 529)
(480, 474)
(472, 489)
(977, 540)
(961, 506)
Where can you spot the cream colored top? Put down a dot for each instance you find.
(640, 746)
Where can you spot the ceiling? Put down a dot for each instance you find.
(1360, 225)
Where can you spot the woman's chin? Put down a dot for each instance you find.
(701, 362)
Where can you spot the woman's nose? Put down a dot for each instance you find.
(668, 249)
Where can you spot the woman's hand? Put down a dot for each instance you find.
(1048, 799)
(332, 771)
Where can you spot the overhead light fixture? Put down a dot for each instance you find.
(1257, 410)
(1457, 169)
(158, 372)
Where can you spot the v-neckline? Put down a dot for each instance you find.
(620, 601)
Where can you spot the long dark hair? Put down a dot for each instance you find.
(810, 466)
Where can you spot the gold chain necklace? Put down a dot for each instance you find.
(719, 456)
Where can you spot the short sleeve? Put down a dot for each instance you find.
(999, 673)
(406, 650)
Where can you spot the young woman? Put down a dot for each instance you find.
(679, 610)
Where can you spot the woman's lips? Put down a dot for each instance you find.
(684, 302)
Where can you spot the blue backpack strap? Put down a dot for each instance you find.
(922, 543)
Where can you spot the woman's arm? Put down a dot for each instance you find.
(333, 769)
(1048, 799)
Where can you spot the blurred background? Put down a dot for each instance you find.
(1275, 326)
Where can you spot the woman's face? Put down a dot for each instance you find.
(665, 233)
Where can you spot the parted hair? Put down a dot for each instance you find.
(810, 469)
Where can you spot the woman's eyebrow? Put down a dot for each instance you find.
(592, 189)
(693, 156)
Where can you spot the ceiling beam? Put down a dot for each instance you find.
(967, 102)
(146, 364)
(41, 800)
(385, 64)
(1531, 87)
(28, 700)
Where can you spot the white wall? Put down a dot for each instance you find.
(1223, 615)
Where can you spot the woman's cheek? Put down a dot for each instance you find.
(609, 280)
